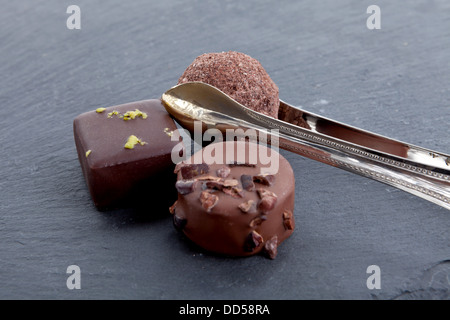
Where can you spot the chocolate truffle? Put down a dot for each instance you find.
(239, 76)
(235, 207)
(125, 154)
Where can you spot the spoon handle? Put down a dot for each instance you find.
(424, 183)
(421, 172)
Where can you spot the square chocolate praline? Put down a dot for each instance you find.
(126, 177)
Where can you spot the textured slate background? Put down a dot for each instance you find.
(394, 81)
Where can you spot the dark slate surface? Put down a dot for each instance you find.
(394, 81)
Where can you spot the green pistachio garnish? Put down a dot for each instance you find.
(100, 110)
(113, 113)
(132, 141)
(88, 153)
(131, 115)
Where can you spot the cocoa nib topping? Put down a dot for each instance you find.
(267, 203)
(223, 172)
(268, 200)
(241, 164)
(271, 247)
(288, 222)
(287, 214)
(257, 221)
(190, 171)
(172, 207)
(265, 179)
(215, 185)
(247, 182)
(221, 185)
(247, 206)
(208, 200)
(235, 192)
(185, 186)
(230, 183)
(178, 167)
(253, 241)
(179, 223)
(208, 178)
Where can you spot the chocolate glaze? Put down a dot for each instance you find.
(241, 223)
(116, 176)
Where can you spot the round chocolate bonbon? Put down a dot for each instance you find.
(239, 76)
(238, 207)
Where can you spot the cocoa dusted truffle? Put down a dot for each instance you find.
(125, 154)
(239, 76)
(239, 207)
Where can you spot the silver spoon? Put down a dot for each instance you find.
(422, 172)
